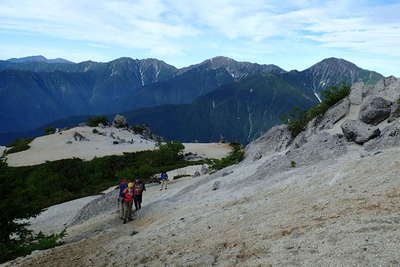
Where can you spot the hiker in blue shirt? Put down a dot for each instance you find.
(163, 180)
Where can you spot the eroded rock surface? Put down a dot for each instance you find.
(359, 132)
(375, 110)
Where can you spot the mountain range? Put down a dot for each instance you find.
(217, 97)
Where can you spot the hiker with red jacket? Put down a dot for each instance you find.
(138, 189)
(127, 202)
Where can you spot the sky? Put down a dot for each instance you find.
(293, 34)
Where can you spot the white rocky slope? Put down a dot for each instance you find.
(340, 205)
(81, 142)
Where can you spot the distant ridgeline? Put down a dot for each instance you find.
(217, 98)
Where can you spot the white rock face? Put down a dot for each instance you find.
(356, 93)
(387, 88)
(275, 140)
(2, 150)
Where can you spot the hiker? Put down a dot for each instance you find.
(127, 203)
(138, 189)
(122, 186)
(163, 180)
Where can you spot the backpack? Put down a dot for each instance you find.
(138, 189)
(122, 187)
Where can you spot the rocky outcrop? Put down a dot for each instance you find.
(276, 139)
(375, 110)
(79, 137)
(119, 121)
(387, 88)
(320, 146)
(2, 151)
(356, 93)
(334, 114)
(395, 113)
(359, 132)
(389, 137)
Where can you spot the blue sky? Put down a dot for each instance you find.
(293, 34)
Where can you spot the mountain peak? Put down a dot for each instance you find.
(237, 69)
(38, 58)
(333, 61)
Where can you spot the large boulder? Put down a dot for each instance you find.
(275, 140)
(389, 137)
(119, 121)
(375, 110)
(358, 131)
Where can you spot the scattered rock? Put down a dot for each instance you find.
(359, 132)
(295, 235)
(120, 121)
(204, 169)
(226, 173)
(79, 137)
(375, 110)
(216, 185)
(196, 174)
(134, 233)
(68, 142)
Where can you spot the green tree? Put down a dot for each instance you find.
(298, 119)
(95, 121)
(49, 130)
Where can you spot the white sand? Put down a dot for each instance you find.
(208, 150)
(57, 217)
(55, 147)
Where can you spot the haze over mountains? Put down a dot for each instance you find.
(217, 97)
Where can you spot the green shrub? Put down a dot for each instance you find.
(139, 129)
(95, 131)
(234, 157)
(293, 164)
(19, 200)
(49, 130)
(95, 121)
(28, 243)
(19, 145)
(180, 176)
(298, 119)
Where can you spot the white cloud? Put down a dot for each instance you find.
(163, 27)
